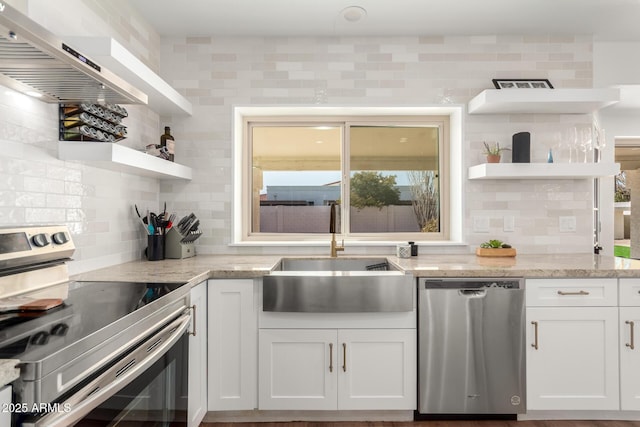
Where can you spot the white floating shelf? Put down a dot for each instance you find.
(542, 170)
(163, 98)
(123, 159)
(542, 101)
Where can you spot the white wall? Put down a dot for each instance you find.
(219, 73)
(216, 74)
(37, 188)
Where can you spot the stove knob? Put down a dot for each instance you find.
(60, 238)
(41, 240)
(40, 338)
(60, 329)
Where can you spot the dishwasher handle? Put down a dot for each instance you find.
(472, 293)
(514, 283)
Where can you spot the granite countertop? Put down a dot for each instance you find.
(8, 371)
(193, 270)
(201, 267)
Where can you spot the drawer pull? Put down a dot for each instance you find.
(330, 357)
(564, 293)
(535, 335)
(630, 343)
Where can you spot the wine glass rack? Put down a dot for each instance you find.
(92, 122)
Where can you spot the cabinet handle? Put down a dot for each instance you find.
(330, 357)
(631, 325)
(193, 319)
(535, 335)
(573, 293)
(344, 357)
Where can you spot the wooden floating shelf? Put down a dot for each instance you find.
(542, 101)
(123, 159)
(542, 170)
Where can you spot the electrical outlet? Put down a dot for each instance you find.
(567, 224)
(480, 224)
(509, 223)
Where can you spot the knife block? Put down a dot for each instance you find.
(174, 248)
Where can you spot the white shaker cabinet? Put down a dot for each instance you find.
(232, 346)
(630, 344)
(297, 369)
(198, 356)
(378, 369)
(572, 344)
(5, 401)
(343, 369)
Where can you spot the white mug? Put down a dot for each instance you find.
(403, 251)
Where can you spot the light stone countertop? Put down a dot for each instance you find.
(8, 371)
(201, 267)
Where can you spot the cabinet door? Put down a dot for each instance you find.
(575, 364)
(377, 369)
(298, 369)
(198, 356)
(5, 401)
(630, 358)
(233, 345)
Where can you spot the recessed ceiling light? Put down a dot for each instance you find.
(319, 142)
(353, 13)
(403, 140)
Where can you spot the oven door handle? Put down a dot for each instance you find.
(116, 377)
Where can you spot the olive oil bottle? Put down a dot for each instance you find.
(166, 140)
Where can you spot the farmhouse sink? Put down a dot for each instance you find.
(337, 285)
(334, 264)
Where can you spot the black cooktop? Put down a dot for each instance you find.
(90, 307)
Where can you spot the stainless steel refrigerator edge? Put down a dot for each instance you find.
(471, 346)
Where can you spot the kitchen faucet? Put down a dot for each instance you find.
(335, 248)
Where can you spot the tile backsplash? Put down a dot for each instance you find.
(216, 74)
(96, 204)
(219, 73)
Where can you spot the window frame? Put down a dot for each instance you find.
(448, 120)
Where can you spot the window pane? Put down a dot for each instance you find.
(394, 179)
(296, 176)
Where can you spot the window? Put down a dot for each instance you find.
(386, 174)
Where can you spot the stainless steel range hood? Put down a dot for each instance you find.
(32, 59)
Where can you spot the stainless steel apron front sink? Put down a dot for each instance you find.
(337, 285)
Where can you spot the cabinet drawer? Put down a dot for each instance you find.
(571, 292)
(630, 292)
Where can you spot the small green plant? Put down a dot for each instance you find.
(494, 244)
(494, 150)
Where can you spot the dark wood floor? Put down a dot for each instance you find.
(483, 423)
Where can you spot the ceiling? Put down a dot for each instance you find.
(613, 20)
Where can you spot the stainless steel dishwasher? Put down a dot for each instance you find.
(471, 346)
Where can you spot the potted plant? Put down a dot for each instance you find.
(493, 152)
(495, 248)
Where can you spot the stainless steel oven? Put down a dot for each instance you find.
(99, 353)
(146, 387)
